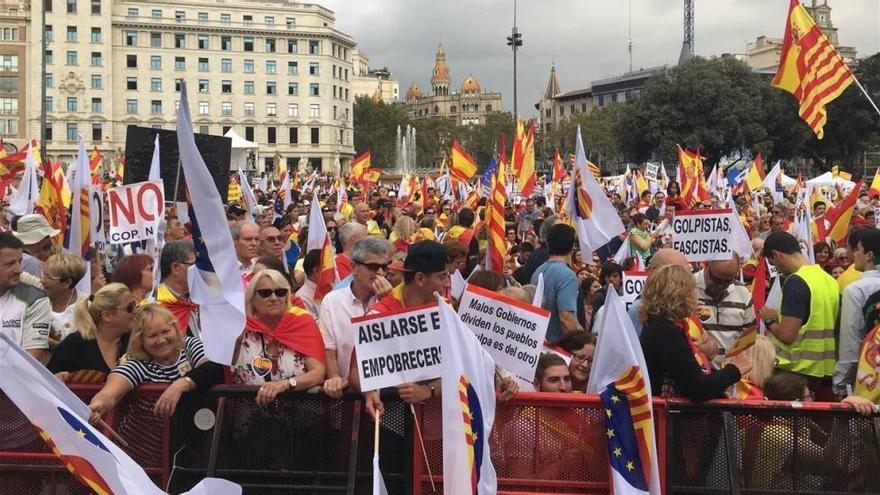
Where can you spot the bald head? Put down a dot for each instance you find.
(757, 245)
(667, 256)
(726, 269)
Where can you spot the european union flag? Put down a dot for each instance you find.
(81, 429)
(203, 259)
(489, 172)
(620, 434)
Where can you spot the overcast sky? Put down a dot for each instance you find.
(586, 38)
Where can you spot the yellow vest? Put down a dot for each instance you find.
(813, 351)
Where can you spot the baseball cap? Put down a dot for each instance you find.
(32, 228)
(425, 257)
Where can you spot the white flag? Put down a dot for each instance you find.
(28, 190)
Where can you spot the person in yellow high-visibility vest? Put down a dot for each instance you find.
(803, 329)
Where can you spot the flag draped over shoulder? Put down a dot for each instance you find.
(468, 404)
(215, 280)
(620, 378)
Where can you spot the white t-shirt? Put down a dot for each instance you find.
(336, 311)
(25, 316)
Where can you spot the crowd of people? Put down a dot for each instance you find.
(391, 253)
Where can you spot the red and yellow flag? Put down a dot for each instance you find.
(463, 165)
(120, 169)
(559, 174)
(690, 175)
(516, 153)
(839, 216)
(497, 248)
(810, 68)
(51, 201)
(875, 185)
(755, 177)
(360, 164)
(95, 165)
(525, 176)
(327, 274)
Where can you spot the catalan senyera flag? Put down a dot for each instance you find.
(620, 378)
(320, 239)
(755, 177)
(810, 68)
(875, 184)
(462, 166)
(559, 174)
(50, 202)
(839, 217)
(497, 247)
(525, 176)
(78, 239)
(95, 166)
(360, 164)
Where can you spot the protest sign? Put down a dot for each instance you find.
(632, 285)
(398, 347)
(135, 211)
(511, 331)
(703, 235)
(651, 170)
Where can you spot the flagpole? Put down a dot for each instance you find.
(412, 408)
(866, 94)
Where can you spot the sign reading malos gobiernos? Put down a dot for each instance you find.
(703, 235)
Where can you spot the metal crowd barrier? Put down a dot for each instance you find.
(308, 443)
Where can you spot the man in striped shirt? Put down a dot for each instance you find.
(726, 309)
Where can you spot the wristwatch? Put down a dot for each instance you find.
(292, 382)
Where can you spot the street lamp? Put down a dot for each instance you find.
(514, 41)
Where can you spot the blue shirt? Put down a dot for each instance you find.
(560, 294)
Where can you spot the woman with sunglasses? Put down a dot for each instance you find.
(103, 324)
(281, 348)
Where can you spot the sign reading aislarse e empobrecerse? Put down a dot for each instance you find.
(398, 347)
(703, 235)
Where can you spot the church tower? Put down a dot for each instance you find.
(821, 13)
(440, 80)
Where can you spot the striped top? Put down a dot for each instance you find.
(725, 318)
(137, 372)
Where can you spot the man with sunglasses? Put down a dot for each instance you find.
(726, 309)
(271, 243)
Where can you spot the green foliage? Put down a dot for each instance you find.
(597, 131)
(375, 129)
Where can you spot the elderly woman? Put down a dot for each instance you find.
(669, 299)
(136, 272)
(281, 348)
(158, 352)
(60, 275)
(103, 323)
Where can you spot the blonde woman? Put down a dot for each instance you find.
(102, 322)
(60, 275)
(669, 298)
(404, 228)
(158, 352)
(763, 356)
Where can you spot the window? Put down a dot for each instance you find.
(47, 5)
(131, 83)
(49, 59)
(270, 67)
(248, 66)
(293, 135)
(133, 13)
(97, 59)
(204, 108)
(71, 104)
(156, 107)
(225, 65)
(203, 17)
(97, 131)
(314, 47)
(177, 83)
(226, 108)
(202, 42)
(156, 84)
(9, 127)
(131, 38)
(203, 85)
(157, 14)
(270, 135)
(271, 88)
(226, 86)
(49, 103)
(314, 89)
(10, 62)
(50, 80)
(225, 19)
(247, 20)
(50, 34)
(292, 68)
(131, 61)
(203, 65)
(8, 84)
(248, 87)
(72, 131)
(248, 43)
(97, 105)
(71, 6)
(204, 129)
(249, 109)
(179, 41)
(313, 68)
(71, 34)
(155, 40)
(293, 110)
(271, 110)
(269, 20)
(226, 43)
(9, 105)
(179, 15)
(97, 81)
(315, 133)
(334, 112)
(96, 35)
(270, 45)
(48, 131)
(314, 111)
(71, 57)
(96, 6)
(291, 22)
(293, 89)
(292, 46)
(155, 62)
(180, 63)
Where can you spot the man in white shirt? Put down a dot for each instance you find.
(246, 239)
(369, 260)
(25, 311)
(312, 269)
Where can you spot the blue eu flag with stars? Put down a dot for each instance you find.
(623, 448)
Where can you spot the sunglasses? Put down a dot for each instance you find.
(373, 267)
(130, 307)
(267, 293)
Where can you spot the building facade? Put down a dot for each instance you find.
(470, 105)
(13, 67)
(276, 72)
(378, 84)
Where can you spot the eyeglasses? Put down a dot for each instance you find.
(373, 267)
(130, 307)
(332, 229)
(267, 293)
(580, 358)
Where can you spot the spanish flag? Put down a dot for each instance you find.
(690, 173)
(839, 217)
(755, 178)
(559, 174)
(810, 68)
(360, 164)
(120, 169)
(463, 166)
(874, 191)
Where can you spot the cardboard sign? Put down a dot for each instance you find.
(632, 285)
(703, 235)
(135, 211)
(512, 332)
(651, 170)
(398, 347)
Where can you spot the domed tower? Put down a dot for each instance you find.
(470, 86)
(440, 80)
(414, 93)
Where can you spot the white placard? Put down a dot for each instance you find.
(511, 331)
(703, 235)
(135, 211)
(398, 347)
(651, 170)
(632, 285)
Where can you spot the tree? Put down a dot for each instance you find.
(481, 141)
(375, 129)
(434, 137)
(601, 145)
